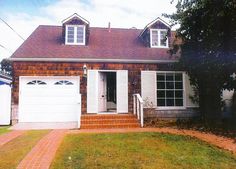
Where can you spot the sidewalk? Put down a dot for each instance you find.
(5, 138)
(42, 154)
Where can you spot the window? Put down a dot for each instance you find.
(63, 82)
(75, 34)
(170, 90)
(36, 82)
(158, 38)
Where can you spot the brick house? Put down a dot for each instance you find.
(105, 65)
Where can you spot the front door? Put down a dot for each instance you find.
(99, 95)
(102, 91)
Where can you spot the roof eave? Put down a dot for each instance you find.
(94, 60)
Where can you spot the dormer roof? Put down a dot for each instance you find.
(75, 16)
(161, 21)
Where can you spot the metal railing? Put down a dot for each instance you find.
(138, 107)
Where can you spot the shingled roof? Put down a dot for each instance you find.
(47, 42)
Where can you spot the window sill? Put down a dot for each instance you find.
(164, 47)
(76, 44)
(170, 108)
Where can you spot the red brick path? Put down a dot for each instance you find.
(5, 138)
(219, 141)
(42, 154)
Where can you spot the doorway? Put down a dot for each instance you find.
(107, 92)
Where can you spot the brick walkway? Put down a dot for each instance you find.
(42, 154)
(219, 141)
(5, 138)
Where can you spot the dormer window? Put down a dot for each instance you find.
(75, 34)
(158, 38)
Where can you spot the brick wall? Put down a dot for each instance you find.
(76, 69)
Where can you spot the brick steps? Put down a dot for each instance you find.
(109, 121)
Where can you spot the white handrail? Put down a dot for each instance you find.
(79, 110)
(138, 107)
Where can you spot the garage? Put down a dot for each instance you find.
(49, 99)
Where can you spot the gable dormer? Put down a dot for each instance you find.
(156, 34)
(75, 30)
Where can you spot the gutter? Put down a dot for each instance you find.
(90, 60)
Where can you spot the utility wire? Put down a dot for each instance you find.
(12, 29)
(5, 48)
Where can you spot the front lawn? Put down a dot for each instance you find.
(4, 129)
(14, 151)
(139, 150)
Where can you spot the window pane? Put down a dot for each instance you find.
(160, 77)
(161, 102)
(179, 93)
(170, 102)
(169, 77)
(154, 38)
(161, 93)
(163, 38)
(178, 85)
(70, 34)
(170, 85)
(169, 89)
(170, 93)
(178, 77)
(178, 102)
(160, 85)
(80, 34)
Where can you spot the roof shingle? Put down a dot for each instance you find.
(47, 42)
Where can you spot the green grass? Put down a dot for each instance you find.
(14, 151)
(139, 150)
(4, 129)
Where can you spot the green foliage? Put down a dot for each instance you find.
(6, 66)
(208, 49)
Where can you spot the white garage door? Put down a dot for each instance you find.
(48, 99)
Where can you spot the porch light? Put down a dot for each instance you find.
(85, 70)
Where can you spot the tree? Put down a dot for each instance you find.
(6, 66)
(208, 49)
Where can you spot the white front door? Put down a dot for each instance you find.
(102, 91)
(48, 99)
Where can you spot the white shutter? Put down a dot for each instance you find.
(148, 86)
(122, 91)
(189, 92)
(92, 91)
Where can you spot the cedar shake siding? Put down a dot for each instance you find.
(75, 69)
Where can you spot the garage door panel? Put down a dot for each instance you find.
(50, 109)
(49, 102)
(45, 92)
(45, 117)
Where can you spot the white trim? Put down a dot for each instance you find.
(75, 35)
(158, 19)
(184, 93)
(154, 21)
(75, 15)
(92, 60)
(159, 38)
(5, 80)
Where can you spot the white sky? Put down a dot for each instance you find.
(121, 13)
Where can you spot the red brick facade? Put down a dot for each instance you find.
(76, 69)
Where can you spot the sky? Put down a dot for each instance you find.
(24, 16)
